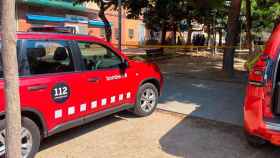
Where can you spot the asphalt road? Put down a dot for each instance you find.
(197, 86)
(215, 100)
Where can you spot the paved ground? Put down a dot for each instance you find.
(196, 86)
(215, 100)
(210, 128)
(162, 135)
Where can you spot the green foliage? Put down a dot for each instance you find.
(133, 7)
(265, 14)
(165, 13)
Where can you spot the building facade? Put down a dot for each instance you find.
(83, 17)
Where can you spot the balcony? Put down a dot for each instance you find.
(60, 4)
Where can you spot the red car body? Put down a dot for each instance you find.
(94, 94)
(261, 106)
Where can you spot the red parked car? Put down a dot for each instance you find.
(262, 101)
(68, 80)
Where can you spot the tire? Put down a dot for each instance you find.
(142, 110)
(255, 141)
(32, 130)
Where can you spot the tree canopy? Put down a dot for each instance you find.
(265, 14)
(133, 8)
(168, 15)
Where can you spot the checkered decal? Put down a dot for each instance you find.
(58, 114)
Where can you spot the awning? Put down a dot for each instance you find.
(56, 4)
(94, 23)
(45, 18)
(97, 23)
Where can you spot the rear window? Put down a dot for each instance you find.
(45, 57)
(23, 68)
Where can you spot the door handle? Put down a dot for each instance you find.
(94, 79)
(37, 87)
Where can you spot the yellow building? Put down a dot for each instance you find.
(134, 33)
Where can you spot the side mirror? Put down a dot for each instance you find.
(123, 67)
(124, 64)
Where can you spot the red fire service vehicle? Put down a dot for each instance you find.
(262, 101)
(68, 80)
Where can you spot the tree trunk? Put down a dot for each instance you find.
(120, 25)
(232, 35)
(248, 26)
(163, 35)
(208, 35)
(11, 82)
(174, 33)
(189, 41)
(220, 37)
(107, 26)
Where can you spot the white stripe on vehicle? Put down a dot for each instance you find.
(93, 104)
(104, 102)
(120, 97)
(128, 95)
(83, 107)
(58, 114)
(71, 110)
(113, 99)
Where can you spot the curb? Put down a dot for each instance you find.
(208, 79)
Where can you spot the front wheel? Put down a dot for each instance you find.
(147, 100)
(30, 138)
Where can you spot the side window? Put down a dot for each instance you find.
(20, 61)
(46, 57)
(96, 56)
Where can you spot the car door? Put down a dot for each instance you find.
(51, 81)
(107, 75)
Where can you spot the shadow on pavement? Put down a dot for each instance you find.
(78, 131)
(198, 138)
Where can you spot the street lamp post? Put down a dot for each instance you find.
(120, 24)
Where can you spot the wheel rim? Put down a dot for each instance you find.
(148, 100)
(26, 142)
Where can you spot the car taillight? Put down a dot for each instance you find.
(261, 71)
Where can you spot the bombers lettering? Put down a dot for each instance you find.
(115, 77)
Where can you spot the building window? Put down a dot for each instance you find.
(102, 32)
(130, 33)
